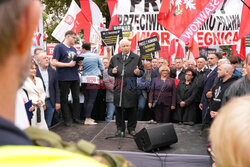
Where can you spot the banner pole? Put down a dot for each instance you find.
(245, 4)
(189, 54)
(95, 29)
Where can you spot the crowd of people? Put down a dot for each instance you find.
(41, 87)
(86, 88)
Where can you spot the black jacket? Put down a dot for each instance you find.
(218, 92)
(199, 79)
(53, 85)
(240, 87)
(129, 94)
(187, 94)
(181, 76)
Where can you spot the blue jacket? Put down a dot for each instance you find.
(92, 64)
(12, 135)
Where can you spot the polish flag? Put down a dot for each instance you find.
(73, 20)
(134, 42)
(180, 50)
(114, 18)
(94, 17)
(245, 20)
(194, 49)
(172, 47)
(117, 46)
(240, 49)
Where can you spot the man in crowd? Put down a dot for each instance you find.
(180, 71)
(162, 62)
(155, 68)
(126, 67)
(200, 71)
(50, 83)
(15, 39)
(226, 78)
(37, 51)
(191, 64)
(241, 86)
(209, 79)
(173, 65)
(234, 62)
(109, 85)
(67, 72)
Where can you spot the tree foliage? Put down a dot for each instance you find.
(54, 11)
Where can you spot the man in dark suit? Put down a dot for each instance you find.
(200, 71)
(50, 83)
(125, 67)
(155, 68)
(180, 71)
(209, 78)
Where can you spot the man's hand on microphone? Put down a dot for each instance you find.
(114, 71)
(137, 71)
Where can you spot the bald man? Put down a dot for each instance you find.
(226, 78)
(50, 83)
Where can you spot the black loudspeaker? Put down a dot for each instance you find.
(155, 137)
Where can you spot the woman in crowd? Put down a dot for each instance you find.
(163, 94)
(35, 90)
(92, 70)
(186, 91)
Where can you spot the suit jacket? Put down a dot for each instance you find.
(129, 94)
(209, 79)
(53, 85)
(168, 94)
(155, 73)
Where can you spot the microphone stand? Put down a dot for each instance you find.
(122, 108)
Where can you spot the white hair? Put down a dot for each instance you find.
(124, 41)
(224, 60)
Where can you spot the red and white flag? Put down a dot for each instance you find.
(114, 21)
(94, 17)
(180, 50)
(245, 20)
(193, 49)
(184, 18)
(73, 20)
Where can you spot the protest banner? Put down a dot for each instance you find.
(149, 45)
(126, 30)
(109, 37)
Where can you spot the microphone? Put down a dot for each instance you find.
(121, 92)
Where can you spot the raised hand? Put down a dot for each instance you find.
(137, 71)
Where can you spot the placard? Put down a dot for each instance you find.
(110, 37)
(149, 45)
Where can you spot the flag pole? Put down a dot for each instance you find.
(95, 29)
(245, 4)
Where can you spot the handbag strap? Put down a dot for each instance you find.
(161, 89)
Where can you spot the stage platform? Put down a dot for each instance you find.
(189, 140)
(190, 151)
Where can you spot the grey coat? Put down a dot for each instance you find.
(109, 85)
(129, 94)
(240, 87)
